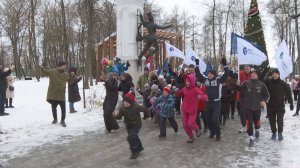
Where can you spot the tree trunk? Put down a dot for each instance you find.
(64, 37)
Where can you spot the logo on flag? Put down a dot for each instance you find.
(171, 49)
(245, 51)
(193, 58)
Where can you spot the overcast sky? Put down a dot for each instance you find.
(196, 7)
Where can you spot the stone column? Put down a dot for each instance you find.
(126, 34)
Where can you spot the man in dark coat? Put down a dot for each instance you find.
(255, 96)
(110, 102)
(278, 90)
(126, 83)
(73, 89)
(3, 87)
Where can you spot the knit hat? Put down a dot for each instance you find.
(275, 71)
(154, 87)
(147, 86)
(130, 97)
(167, 89)
(213, 72)
(61, 63)
(118, 59)
(161, 77)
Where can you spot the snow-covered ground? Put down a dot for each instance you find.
(29, 124)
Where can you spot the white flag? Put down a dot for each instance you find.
(173, 51)
(283, 60)
(190, 58)
(248, 53)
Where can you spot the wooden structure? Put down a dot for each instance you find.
(107, 49)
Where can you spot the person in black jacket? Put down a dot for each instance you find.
(110, 102)
(73, 89)
(126, 83)
(213, 86)
(278, 90)
(3, 87)
(226, 98)
(255, 96)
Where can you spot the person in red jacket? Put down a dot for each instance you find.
(189, 106)
(201, 109)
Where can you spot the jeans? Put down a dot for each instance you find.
(133, 139)
(71, 105)
(162, 125)
(62, 105)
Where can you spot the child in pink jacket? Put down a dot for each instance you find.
(191, 95)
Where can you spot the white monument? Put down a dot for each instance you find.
(127, 22)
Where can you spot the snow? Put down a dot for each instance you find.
(29, 124)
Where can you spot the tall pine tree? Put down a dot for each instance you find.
(254, 31)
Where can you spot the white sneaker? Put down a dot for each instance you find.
(243, 129)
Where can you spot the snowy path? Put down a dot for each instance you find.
(32, 142)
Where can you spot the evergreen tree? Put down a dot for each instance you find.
(254, 31)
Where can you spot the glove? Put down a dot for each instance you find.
(291, 107)
(224, 62)
(197, 62)
(127, 64)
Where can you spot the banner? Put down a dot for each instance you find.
(247, 52)
(283, 60)
(173, 51)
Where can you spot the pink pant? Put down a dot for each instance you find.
(189, 123)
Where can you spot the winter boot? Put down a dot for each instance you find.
(72, 110)
(256, 133)
(54, 121)
(297, 113)
(218, 137)
(190, 140)
(273, 137)
(251, 142)
(161, 137)
(10, 103)
(280, 137)
(135, 155)
(6, 103)
(4, 114)
(211, 136)
(63, 124)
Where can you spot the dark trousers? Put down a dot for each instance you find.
(54, 104)
(133, 139)
(198, 122)
(8, 101)
(177, 103)
(212, 113)
(147, 47)
(295, 92)
(242, 112)
(225, 106)
(253, 117)
(162, 125)
(2, 100)
(276, 115)
(232, 107)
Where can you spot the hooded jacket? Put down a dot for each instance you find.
(191, 96)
